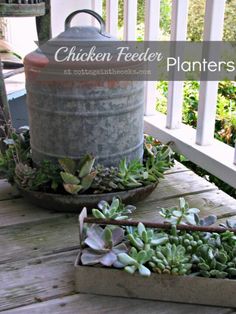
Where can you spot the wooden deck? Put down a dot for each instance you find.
(38, 249)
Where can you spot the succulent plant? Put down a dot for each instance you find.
(131, 175)
(144, 239)
(106, 179)
(171, 259)
(176, 215)
(117, 210)
(24, 175)
(77, 179)
(229, 238)
(103, 246)
(183, 213)
(134, 261)
(43, 177)
(158, 158)
(171, 251)
(214, 262)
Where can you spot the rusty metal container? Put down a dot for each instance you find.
(72, 118)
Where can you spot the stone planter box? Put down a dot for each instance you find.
(184, 289)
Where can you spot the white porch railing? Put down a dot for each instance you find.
(197, 145)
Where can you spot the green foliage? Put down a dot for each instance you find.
(47, 177)
(16, 150)
(214, 262)
(225, 126)
(44, 178)
(196, 20)
(159, 160)
(165, 16)
(131, 174)
(117, 210)
(77, 177)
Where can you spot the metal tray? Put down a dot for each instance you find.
(75, 203)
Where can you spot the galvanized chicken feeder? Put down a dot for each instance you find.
(70, 118)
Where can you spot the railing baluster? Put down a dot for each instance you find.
(213, 31)
(152, 30)
(112, 17)
(175, 92)
(130, 19)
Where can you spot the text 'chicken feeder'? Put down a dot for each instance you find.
(69, 118)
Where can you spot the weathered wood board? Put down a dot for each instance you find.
(33, 280)
(94, 304)
(31, 240)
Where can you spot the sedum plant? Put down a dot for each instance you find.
(103, 246)
(117, 210)
(211, 262)
(171, 259)
(79, 179)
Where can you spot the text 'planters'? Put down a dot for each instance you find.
(72, 117)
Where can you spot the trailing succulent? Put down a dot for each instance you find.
(78, 177)
(163, 251)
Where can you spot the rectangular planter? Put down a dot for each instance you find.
(185, 289)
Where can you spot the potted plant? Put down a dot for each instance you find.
(69, 184)
(183, 259)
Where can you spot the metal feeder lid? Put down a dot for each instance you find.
(84, 33)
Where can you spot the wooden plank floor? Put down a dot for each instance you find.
(38, 248)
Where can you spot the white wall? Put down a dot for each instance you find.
(61, 9)
(22, 33)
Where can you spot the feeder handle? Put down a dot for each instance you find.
(94, 14)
